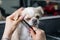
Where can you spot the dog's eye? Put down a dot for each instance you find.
(28, 18)
(37, 16)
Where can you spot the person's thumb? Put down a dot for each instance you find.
(20, 19)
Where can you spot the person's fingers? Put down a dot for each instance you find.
(37, 30)
(34, 28)
(20, 19)
(17, 12)
(32, 33)
(16, 17)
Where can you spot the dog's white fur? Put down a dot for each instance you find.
(21, 32)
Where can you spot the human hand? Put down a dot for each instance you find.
(40, 34)
(12, 22)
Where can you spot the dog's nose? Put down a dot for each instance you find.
(34, 21)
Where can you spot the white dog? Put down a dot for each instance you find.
(32, 17)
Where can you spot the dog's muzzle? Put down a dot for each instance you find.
(34, 21)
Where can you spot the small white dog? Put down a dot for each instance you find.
(32, 17)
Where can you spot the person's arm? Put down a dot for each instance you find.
(11, 24)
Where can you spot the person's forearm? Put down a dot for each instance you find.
(11, 24)
(5, 38)
(6, 35)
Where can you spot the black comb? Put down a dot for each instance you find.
(29, 26)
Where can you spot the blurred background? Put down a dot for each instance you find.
(50, 22)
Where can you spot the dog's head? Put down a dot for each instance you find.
(32, 14)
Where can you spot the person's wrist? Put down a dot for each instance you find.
(7, 34)
(5, 37)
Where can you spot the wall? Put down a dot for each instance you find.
(9, 4)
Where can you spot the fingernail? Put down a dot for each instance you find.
(22, 17)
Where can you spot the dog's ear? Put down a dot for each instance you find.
(40, 9)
